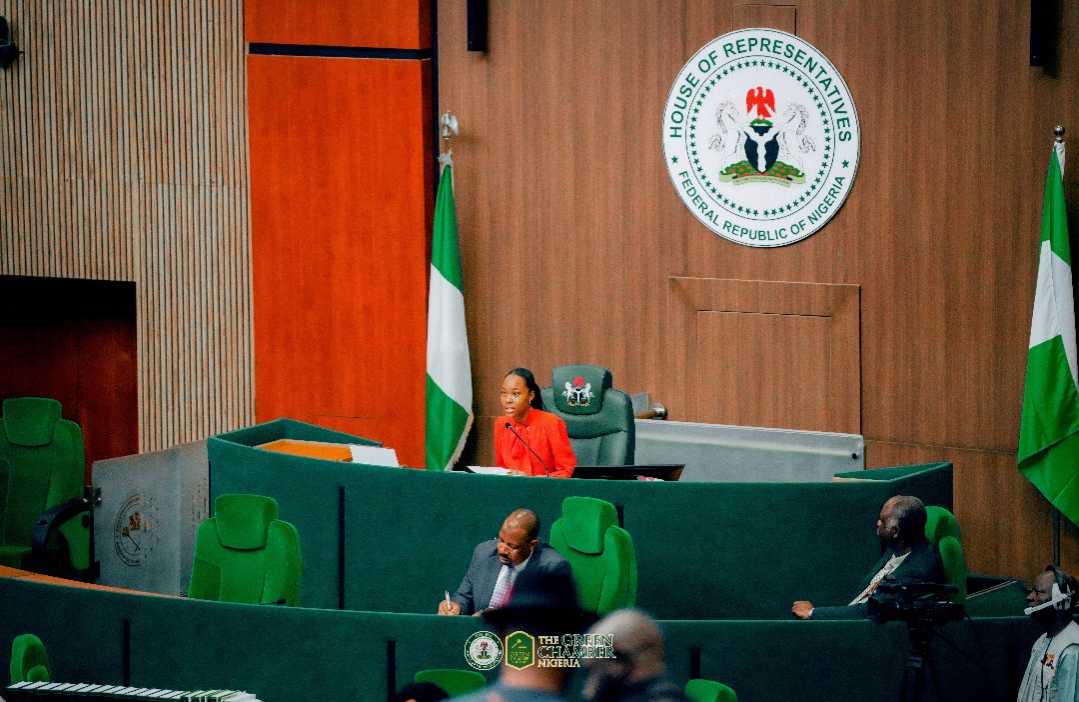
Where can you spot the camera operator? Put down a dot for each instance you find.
(1052, 673)
(908, 557)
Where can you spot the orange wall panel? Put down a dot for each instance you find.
(341, 169)
(387, 24)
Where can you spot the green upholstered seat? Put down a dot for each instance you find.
(455, 681)
(600, 552)
(29, 663)
(942, 530)
(704, 690)
(599, 418)
(244, 553)
(42, 466)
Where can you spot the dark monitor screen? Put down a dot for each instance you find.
(658, 471)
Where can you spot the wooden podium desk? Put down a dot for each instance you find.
(326, 450)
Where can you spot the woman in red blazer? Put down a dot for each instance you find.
(527, 439)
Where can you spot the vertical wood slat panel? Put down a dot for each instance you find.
(128, 161)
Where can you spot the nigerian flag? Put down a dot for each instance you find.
(1049, 429)
(449, 377)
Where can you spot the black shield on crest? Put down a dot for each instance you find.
(771, 148)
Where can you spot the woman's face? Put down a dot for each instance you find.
(515, 397)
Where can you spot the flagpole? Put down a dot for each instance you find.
(1058, 138)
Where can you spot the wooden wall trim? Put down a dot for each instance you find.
(125, 159)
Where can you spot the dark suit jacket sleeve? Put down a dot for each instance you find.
(466, 595)
(841, 612)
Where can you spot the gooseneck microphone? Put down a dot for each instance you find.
(546, 470)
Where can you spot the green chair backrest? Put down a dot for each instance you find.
(942, 530)
(245, 554)
(455, 681)
(704, 690)
(44, 464)
(599, 419)
(29, 663)
(600, 553)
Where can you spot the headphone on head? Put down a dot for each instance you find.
(1061, 595)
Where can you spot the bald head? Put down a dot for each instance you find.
(902, 518)
(517, 537)
(524, 519)
(637, 641)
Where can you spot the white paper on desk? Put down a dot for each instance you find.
(492, 470)
(374, 455)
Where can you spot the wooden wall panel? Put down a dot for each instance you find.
(393, 24)
(125, 159)
(74, 341)
(777, 16)
(570, 227)
(789, 380)
(340, 181)
(759, 353)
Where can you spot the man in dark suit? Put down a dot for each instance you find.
(496, 564)
(908, 558)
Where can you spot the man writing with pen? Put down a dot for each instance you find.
(528, 439)
(496, 563)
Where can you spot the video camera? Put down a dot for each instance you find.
(914, 601)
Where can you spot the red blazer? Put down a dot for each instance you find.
(547, 436)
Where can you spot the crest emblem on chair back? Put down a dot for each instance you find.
(244, 553)
(600, 553)
(599, 418)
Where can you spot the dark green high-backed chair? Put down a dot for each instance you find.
(600, 552)
(942, 530)
(599, 418)
(29, 662)
(244, 553)
(455, 681)
(44, 520)
(704, 690)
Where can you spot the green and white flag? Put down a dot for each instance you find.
(1049, 429)
(449, 375)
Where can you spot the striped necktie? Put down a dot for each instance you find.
(503, 587)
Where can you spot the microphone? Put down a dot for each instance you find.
(1037, 608)
(546, 470)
